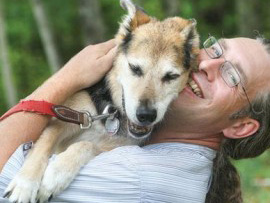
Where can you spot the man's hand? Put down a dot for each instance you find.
(83, 70)
(91, 64)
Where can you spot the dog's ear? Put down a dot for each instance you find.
(191, 45)
(136, 16)
(190, 27)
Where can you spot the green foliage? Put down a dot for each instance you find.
(253, 173)
(153, 8)
(66, 26)
(112, 14)
(26, 54)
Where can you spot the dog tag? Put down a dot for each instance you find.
(112, 125)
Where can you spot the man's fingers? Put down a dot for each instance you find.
(110, 43)
(107, 60)
(111, 54)
(105, 47)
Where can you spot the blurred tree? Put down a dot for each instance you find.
(93, 26)
(46, 34)
(248, 16)
(11, 92)
(171, 7)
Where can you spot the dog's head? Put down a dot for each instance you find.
(153, 65)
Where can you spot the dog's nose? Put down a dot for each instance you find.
(146, 115)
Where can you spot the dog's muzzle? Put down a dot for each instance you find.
(146, 116)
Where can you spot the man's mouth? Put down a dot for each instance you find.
(137, 131)
(195, 88)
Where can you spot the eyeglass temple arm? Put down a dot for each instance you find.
(251, 107)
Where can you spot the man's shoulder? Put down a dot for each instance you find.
(117, 156)
(175, 171)
(155, 153)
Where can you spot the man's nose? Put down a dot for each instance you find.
(210, 67)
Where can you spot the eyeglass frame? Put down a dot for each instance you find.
(226, 61)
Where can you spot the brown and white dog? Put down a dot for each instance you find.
(152, 66)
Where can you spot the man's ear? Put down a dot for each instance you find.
(135, 17)
(242, 128)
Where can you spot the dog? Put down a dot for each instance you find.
(152, 66)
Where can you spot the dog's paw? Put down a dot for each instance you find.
(55, 180)
(22, 190)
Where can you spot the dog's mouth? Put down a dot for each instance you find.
(137, 131)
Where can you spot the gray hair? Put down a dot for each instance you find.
(225, 185)
(257, 143)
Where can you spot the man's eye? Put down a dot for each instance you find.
(136, 70)
(170, 76)
(230, 75)
(216, 51)
(233, 79)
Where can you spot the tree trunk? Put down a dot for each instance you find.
(92, 21)
(10, 90)
(46, 34)
(248, 17)
(171, 7)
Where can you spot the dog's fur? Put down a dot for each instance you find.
(152, 66)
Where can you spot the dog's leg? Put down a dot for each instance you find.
(24, 186)
(61, 171)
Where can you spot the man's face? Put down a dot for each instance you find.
(210, 114)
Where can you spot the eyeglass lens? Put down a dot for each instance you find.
(212, 47)
(230, 74)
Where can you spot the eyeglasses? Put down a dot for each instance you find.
(228, 72)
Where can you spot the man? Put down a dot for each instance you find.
(176, 165)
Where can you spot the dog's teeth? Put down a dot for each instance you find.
(139, 129)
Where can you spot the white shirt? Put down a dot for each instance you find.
(167, 172)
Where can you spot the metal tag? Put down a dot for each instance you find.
(112, 125)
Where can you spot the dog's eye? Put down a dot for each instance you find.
(170, 76)
(136, 70)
